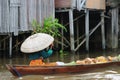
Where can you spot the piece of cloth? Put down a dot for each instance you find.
(60, 63)
(37, 62)
(43, 53)
(46, 54)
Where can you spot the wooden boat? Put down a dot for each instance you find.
(22, 70)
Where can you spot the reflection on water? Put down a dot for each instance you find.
(109, 73)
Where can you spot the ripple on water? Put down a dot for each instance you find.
(105, 75)
(5, 75)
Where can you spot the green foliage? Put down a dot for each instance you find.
(63, 53)
(50, 26)
(118, 58)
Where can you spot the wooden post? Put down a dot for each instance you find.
(112, 28)
(115, 27)
(17, 43)
(10, 45)
(77, 25)
(62, 47)
(71, 29)
(87, 29)
(103, 30)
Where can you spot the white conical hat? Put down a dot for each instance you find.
(36, 42)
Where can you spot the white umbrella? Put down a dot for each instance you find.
(36, 42)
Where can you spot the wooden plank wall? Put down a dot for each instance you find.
(4, 16)
(0, 13)
(17, 15)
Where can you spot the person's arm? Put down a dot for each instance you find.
(51, 46)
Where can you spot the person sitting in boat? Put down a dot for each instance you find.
(47, 52)
(37, 57)
(38, 45)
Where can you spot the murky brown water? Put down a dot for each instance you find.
(109, 73)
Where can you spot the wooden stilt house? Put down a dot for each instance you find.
(109, 38)
(16, 15)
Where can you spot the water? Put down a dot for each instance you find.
(109, 73)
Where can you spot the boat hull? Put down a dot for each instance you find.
(22, 70)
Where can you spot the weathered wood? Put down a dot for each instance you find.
(115, 27)
(103, 30)
(71, 30)
(113, 3)
(96, 4)
(91, 32)
(10, 45)
(0, 14)
(31, 11)
(14, 4)
(87, 29)
(80, 4)
(17, 15)
(22, 70)
(23, 16)
(65, 3)
(4, 16)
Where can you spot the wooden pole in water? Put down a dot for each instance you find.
(4, 44)
(77, 25)
(71, 29)
(62, 47)
(17, 43)
(103, 30)
(10, 45)
(87, 29)
(115, 27)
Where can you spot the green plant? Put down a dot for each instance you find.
(63, 53)
(50, 26)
